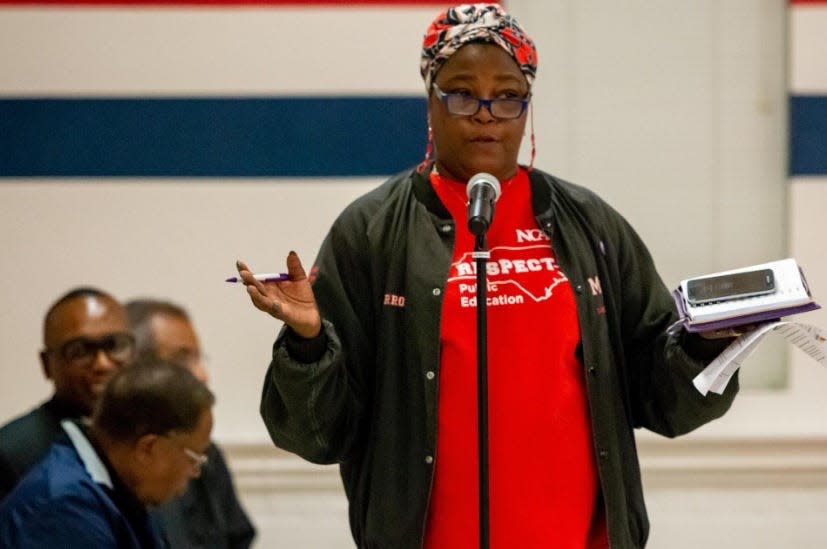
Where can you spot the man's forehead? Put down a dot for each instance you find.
(85, 316)
(173, 331)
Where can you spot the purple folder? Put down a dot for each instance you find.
(737, 320)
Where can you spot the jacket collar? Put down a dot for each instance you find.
(93, 464)
(541, 194)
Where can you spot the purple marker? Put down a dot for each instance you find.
(263, 277)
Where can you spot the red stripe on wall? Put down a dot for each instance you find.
(809, 2)
(172, 3)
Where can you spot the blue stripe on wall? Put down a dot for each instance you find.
(211, 137)
(808, 135)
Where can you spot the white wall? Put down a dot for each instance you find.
(674, 111)
(179, 238)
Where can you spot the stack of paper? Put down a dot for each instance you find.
(717, 374)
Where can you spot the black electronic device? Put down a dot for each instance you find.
(715, 289)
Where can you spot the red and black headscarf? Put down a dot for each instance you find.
(487, 23)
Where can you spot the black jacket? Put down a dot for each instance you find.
(25, 440)
(208, 515)
(361, 395)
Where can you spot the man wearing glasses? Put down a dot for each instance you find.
(209, 513)
(146, 440)
(86, 339)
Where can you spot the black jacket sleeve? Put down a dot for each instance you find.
(662, 363)
(316, 409)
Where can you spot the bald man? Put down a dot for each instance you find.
(86, 339)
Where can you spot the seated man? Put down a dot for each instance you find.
(86, 339)
(146, 440)
(208, 514)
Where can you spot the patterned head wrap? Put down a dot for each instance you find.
(466, 23)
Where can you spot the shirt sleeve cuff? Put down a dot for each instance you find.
(703, 349)
(305, 350)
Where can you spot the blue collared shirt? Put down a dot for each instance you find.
(73, 500)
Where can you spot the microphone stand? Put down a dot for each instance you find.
(483, 189)
(481, 256)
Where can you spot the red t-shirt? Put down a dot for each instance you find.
(543, 484)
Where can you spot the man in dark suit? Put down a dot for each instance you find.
(86, 339)
(208, 514)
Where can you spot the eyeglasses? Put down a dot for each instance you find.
(188, 358)
(467, 105)
(198, 460)
(83, 350)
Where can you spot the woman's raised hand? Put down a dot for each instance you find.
(291, 301)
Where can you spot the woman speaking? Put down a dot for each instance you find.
(375, 367)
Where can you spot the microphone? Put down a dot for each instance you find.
(483, 190)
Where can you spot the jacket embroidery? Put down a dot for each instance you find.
(394, 300)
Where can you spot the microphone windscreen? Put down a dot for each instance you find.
(483, 178)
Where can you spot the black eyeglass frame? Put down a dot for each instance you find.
(119, 347)
(491, 104)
